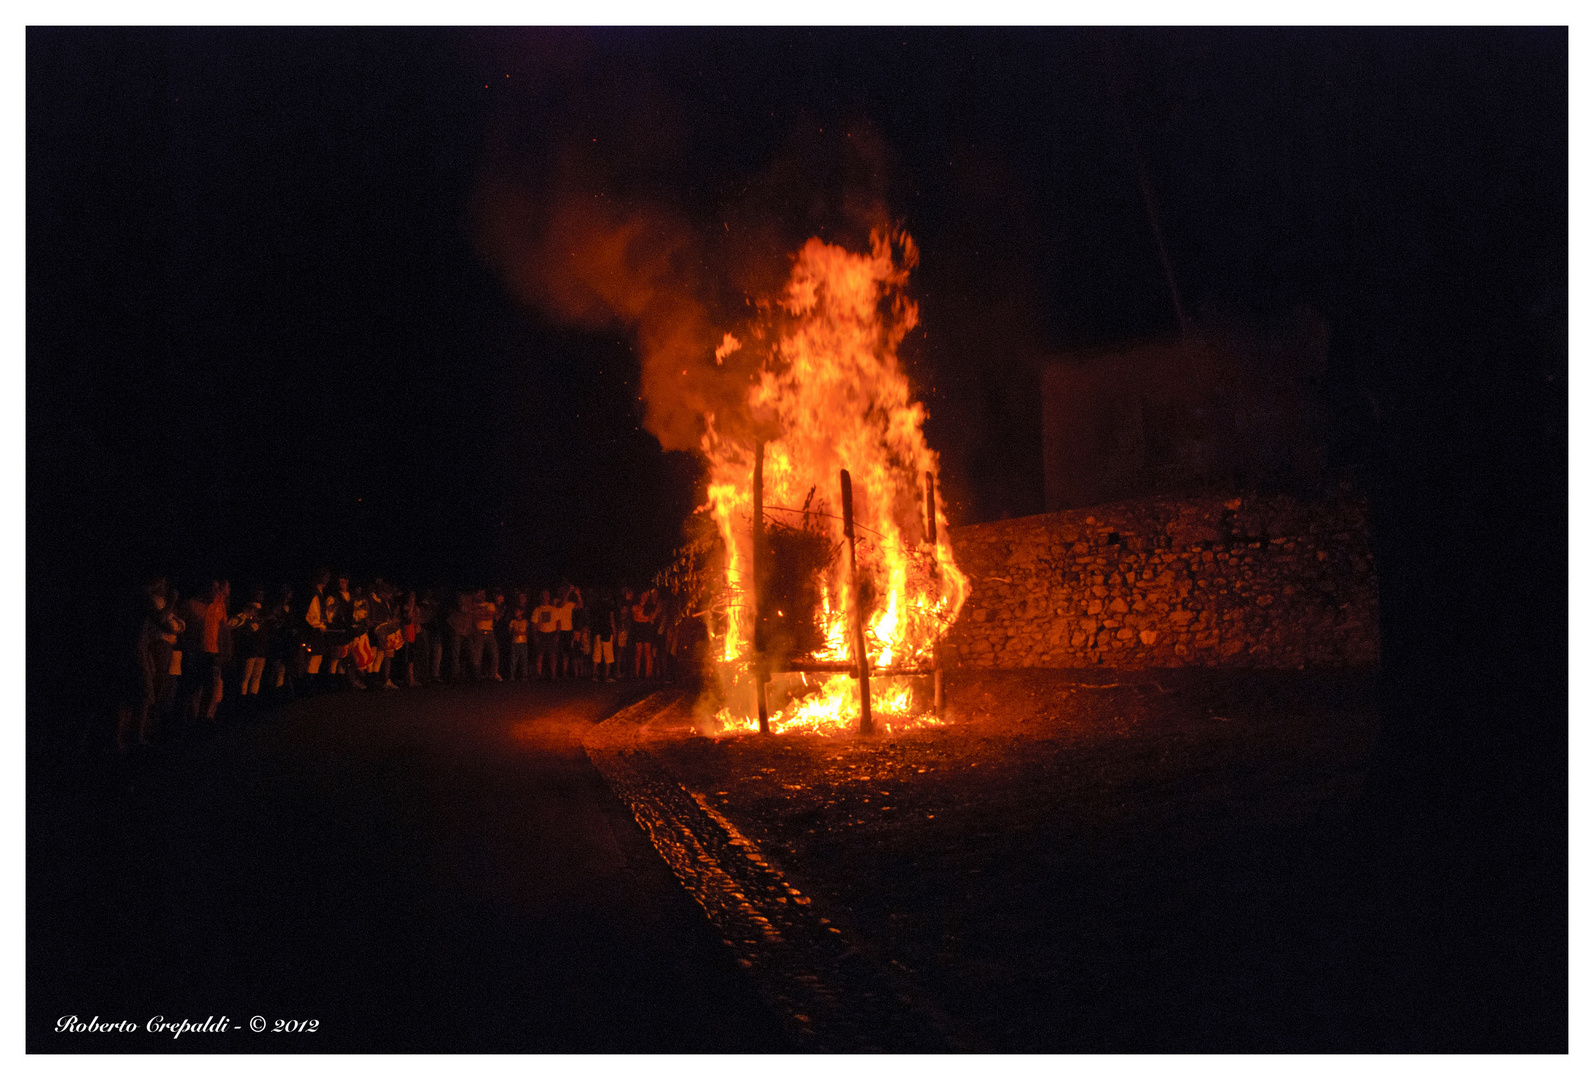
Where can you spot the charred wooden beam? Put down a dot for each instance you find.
(848, 666)
(929, 518)
(760, 666)
(861, 656)
(816, 665)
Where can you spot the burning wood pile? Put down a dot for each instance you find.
(836, 582)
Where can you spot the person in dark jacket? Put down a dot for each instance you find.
(166, 658)
(624, 643)
(145, 671)
(219, 658)
(434, 625)
(417, 640)
(601, 622)
(283, 645)
(461, 625)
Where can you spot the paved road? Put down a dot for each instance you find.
(435, 870)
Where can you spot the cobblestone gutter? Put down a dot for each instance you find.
(828, 987)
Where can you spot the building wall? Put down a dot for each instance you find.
(1249, 581)
(1217, 411)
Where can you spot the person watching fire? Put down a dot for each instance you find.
(546, 619)
(601, 624)
(644, 625)
(569, 601)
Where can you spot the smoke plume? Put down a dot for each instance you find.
(614, 229)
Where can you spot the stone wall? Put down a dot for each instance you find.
(1248, 581)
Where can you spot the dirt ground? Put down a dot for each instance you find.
(1091, 861)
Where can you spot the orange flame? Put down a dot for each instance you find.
(830, 396)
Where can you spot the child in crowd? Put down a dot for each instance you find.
(519, 626)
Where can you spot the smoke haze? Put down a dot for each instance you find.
(593, 212)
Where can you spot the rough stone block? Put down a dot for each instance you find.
(1266, 596)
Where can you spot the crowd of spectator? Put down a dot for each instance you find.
(196, 656)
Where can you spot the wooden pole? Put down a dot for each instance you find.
(760, 665)
(865, 721)
(929, 518)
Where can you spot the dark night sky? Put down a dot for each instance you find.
(264, 332)
(261, 336)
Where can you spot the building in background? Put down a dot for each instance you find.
(1224, 409)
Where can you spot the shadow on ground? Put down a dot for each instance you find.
(433, 870)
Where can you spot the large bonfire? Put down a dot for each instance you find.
(829, 395)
